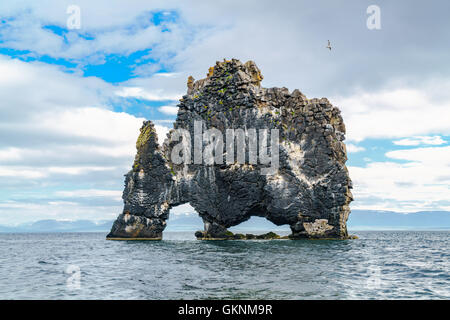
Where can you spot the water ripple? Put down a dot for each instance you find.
(380, 265)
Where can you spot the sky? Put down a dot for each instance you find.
(74, 92)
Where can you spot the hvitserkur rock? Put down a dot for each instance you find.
(309, 191)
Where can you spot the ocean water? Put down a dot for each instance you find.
(380, 265)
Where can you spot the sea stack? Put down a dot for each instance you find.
(308, 188)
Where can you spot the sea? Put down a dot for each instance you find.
(378, 265)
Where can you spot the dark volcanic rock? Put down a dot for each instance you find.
(203, 235)
(310, 190)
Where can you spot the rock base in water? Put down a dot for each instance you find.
(202, 235)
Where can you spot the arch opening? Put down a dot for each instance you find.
(260, 225)
(182, 223)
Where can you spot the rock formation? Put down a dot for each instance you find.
(310, 190)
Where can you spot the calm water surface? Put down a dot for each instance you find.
(380, 265)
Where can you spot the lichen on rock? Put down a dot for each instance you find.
(309, 191)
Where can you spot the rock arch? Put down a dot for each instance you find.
(310, 190)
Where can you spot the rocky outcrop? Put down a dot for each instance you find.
(239, 236)
(308, 187)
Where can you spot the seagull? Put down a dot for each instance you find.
(329, 45)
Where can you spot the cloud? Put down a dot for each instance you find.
(67, 90)
(16, 172)
(127, 29)
(58, 129)
(430, 156)
(351, 148)
(420, 182)
(418, 140)
(9, 154)
(66, 139)
(397, 113)
(58, 132)
(184, 209)
(161, 132)
(140, 93)
(154, 87)
(115, 194)
(169, 110)
(191, 38)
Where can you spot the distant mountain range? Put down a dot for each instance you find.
(60, 226)
(359, 220)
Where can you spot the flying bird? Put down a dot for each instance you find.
(329, 45)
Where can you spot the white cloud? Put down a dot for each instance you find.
(169, 110)
(418, 140)
(10, 154)
(15, 172)
(153, 95)
(184, 209)
(207, 31)
(75, 106)
(37, 173)
(429, 156)
(396, 113)
(69, 142)
(155, 88)
(93, 123)
(57, 133)
(421, 183)
(351, 148)
(161, 132)
(170, 121)
(114, 194)
(111, 28)
(55, 140)
(53, 137)
(167, 74)
(77, 170)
